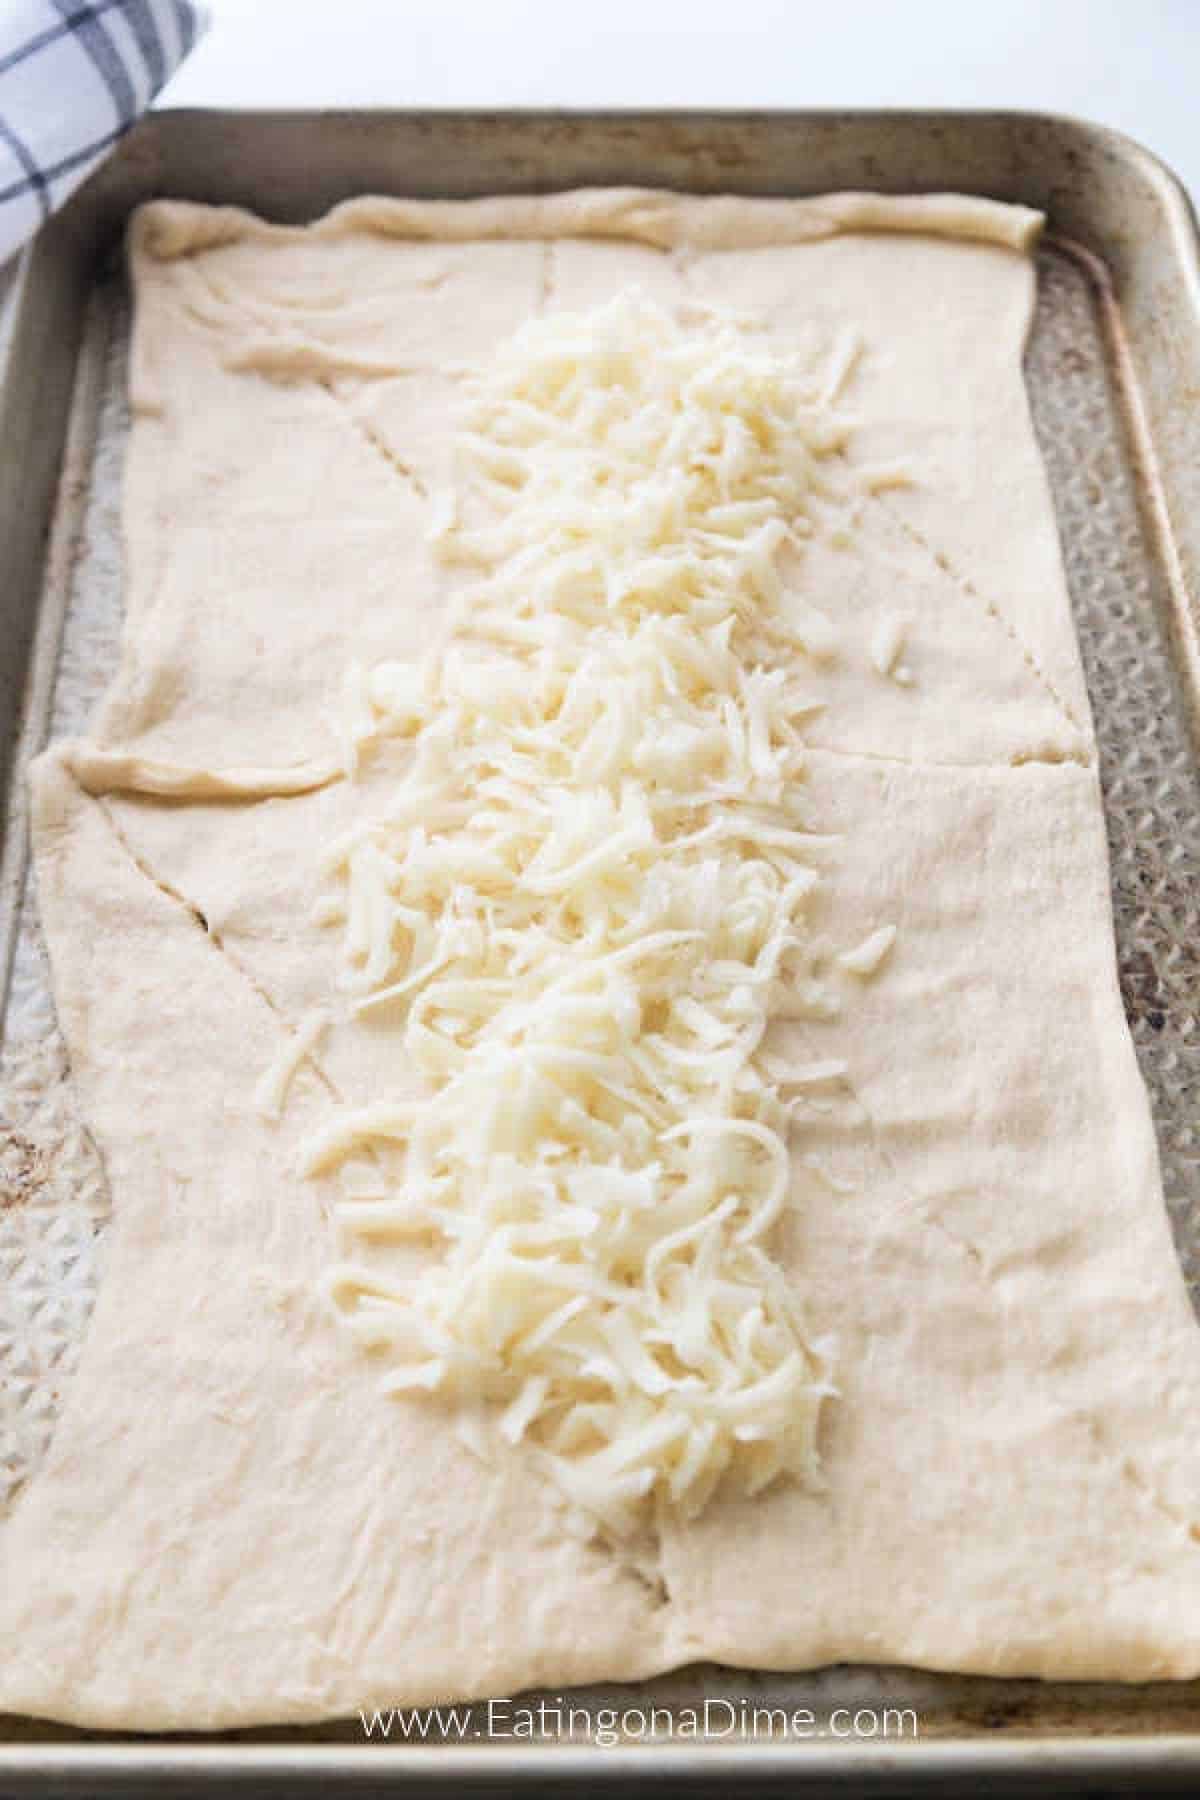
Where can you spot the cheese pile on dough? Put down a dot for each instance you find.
(582, 909)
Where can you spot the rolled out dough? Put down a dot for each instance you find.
(232, 1526)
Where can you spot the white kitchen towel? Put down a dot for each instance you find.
(74, 76)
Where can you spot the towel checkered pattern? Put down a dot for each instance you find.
(74, 76)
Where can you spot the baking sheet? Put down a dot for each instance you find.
(53, 1200)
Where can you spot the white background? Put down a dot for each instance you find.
(1134, 64)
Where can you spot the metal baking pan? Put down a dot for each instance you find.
(1113, 370)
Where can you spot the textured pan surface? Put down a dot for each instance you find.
(53, 1199)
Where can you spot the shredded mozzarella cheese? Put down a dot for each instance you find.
(887, 646)
(869, 956)
(583, 908)
(272, 1090)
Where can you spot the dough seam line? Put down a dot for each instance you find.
(1138, 1480)
(372, 437)
(1032, 759)
(943, 562)
(919, 1208)
(200, 921)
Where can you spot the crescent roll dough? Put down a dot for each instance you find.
(232, 1525)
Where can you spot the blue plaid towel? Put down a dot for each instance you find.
(75, 75)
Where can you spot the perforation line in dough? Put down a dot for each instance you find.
(373, 438)
(928, 1215)
(963, 582)
(547, 276)
(196, 913)
(1019, 759)
(1129, 1471)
